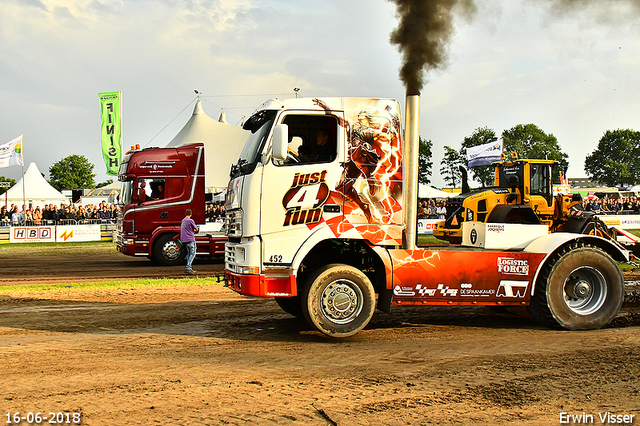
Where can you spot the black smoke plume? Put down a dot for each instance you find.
(423, 34)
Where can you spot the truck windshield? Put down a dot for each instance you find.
(259, 124)
(126, 195)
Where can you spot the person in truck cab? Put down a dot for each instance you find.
(157, 191)
(323, 151)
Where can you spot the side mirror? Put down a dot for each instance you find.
(280, 142)
(142, 196)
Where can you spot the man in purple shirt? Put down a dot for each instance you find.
(188, 239)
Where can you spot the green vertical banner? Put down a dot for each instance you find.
(111, 109)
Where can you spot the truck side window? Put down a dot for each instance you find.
(153, 188)
(312, 139)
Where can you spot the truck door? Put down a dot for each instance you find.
(298, 195)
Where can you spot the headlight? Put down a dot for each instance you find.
(248, 270)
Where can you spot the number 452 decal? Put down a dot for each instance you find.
(276, 258)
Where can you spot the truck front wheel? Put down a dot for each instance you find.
(167, 252)
(338, 300)
(291, 305)
(581, 288)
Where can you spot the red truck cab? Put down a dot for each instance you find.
(158, 185)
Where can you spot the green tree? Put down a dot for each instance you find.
(105, 183)
(424, 161)
(480, 136)
(6, 179)
(449, 166)
(72, 172)
(615, 161)
(529, 141)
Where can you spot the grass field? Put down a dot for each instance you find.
(113, 285)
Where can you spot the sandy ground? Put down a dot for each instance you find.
(205, 355)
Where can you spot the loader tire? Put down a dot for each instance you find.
(338, 300)
(291, 305)
(167, 252)
(579, 288)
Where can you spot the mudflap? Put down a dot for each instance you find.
(384, 300)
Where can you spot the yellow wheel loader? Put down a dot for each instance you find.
(522, 193)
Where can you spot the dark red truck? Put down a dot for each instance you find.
(158, 185)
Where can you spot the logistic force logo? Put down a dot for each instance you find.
(511, 266)
(304, 200)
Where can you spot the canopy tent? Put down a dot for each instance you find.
(38, 192)
(222, 145)
(108, 193)
(425, 191)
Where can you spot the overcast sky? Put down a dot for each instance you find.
(574, 73)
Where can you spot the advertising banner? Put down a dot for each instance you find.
(11, 153)
(484, 155)
(631, 221)
(75, 233)
(111, 109)
(426, 226)
(32, 234)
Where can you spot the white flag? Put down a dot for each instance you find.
(484, 155)
(11, 153)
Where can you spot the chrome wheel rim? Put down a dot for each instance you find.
(342, 301)
(585, 290)
(170, 250)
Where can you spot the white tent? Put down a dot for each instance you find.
(223, 144)
(108, 193)
(38, 192)
(425, 191)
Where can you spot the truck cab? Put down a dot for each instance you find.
(338, 178)
(158, 185)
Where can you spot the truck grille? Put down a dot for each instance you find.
(230, 258)
(234, 223)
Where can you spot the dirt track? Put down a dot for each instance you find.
(204, 355)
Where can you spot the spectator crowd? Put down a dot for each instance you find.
(215, 212)
(620, 205)
(432, 209)
(65, 214)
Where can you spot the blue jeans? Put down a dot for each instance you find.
(191, 252)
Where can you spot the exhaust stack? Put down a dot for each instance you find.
(411, 153)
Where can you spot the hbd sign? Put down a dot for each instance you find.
(21, 234)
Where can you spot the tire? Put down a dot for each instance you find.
(338, 300)
(291, 305)
(580, 288)
(166, 252)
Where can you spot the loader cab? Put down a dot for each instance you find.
(530, 183)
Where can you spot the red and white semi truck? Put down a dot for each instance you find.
(321, 215)
(159, 184)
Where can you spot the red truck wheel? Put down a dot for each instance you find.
(338, 300)
(166, 252)
(581, 288)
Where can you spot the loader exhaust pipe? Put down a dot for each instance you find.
(411, 153)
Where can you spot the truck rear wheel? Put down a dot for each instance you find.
(581, 288)
(291, 305)
(338, 300)
(167, 252)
